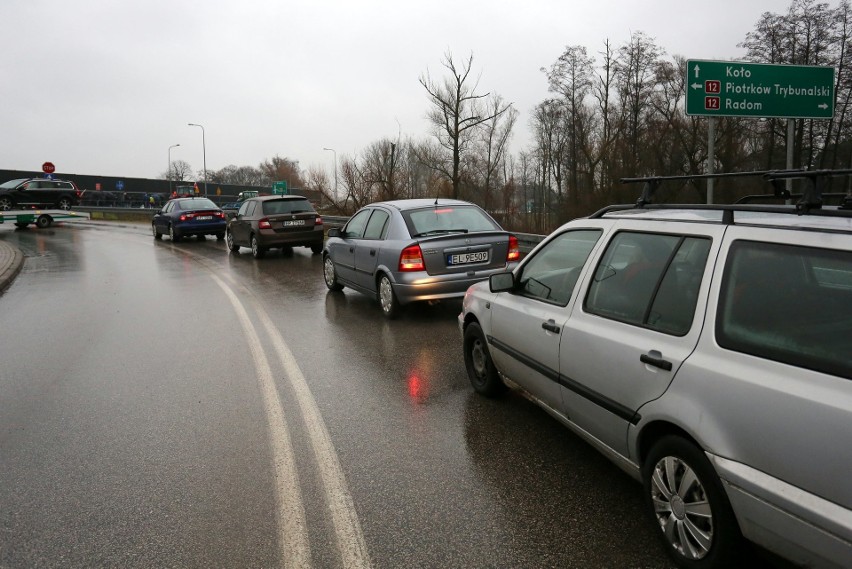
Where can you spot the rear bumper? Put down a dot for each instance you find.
(415, 287)
(802, 527)
(210, 228)
(271, 238)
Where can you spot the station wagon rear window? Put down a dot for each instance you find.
(447, 219)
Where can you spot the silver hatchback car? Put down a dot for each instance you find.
(704, 351)
(404, 251)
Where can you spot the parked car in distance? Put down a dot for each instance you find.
(405, 251)
(275, 222)
(705, 351)
(38, 192)
(182, 217)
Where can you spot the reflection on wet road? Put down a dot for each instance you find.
(176, 405)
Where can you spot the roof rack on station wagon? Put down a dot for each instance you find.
(810, 201)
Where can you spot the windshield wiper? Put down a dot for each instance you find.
(440, 232)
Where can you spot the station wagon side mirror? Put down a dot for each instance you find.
(502, 282)
(334, 232)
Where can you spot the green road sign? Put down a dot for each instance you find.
(279, 188)
(736, 89)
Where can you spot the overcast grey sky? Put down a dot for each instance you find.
(104, 87)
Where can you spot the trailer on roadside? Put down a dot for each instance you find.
(41, 218)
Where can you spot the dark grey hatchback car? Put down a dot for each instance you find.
(404, 251)
(269, 222)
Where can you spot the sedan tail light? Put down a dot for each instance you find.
(411, 259)
(514, 251)
(264, 223)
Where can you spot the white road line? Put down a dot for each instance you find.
(293, 543)
(350, 538)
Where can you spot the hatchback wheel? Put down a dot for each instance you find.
(256, 250)
(156, 233)
(387, 298)
(229, 240)
(64, 203)
(173, 234)
(330, 274)
(687, 500)
(316, 248)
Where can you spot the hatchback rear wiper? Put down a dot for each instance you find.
(440, 232)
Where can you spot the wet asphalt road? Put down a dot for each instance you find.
(153, 394)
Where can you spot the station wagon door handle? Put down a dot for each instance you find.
(550, 326)
(656, 362)
(372, 252)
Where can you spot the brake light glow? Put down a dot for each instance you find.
(264, 223)
(183, 217)
(411, 259)
(445, 210)
(514, 251)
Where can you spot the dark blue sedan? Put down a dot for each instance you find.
(182, 217)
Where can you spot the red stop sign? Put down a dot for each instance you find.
(48, 168)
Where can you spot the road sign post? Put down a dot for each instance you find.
(736, 89)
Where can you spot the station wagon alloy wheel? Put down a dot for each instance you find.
(480, 369)
(6, 204)
(688, 502)
(64, 203)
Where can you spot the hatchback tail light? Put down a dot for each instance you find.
(514, 251)
(264, 223)
(411, 259)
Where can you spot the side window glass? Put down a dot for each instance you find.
(674, 304)
(355, 228)
(250, 207)
(243, 208)
(550, 276)
(169, 207)
(629, 274)
(376, 226)
(788, 303)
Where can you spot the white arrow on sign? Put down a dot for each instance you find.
(823, 106)
(697, 69)
(696, 85)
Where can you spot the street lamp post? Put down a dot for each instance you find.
(335, 170)
(169, 170)
(204, 153)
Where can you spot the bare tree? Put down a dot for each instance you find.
(277, 169)
(455, 111)
(238, 176)
(491, 145)
(178, 170)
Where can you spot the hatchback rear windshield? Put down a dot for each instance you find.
(447, 219)
(187, 205)
(273, 207)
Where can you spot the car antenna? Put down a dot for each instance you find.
(436, 200)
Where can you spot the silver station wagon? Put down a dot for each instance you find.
(405, 251)
(705, 351)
